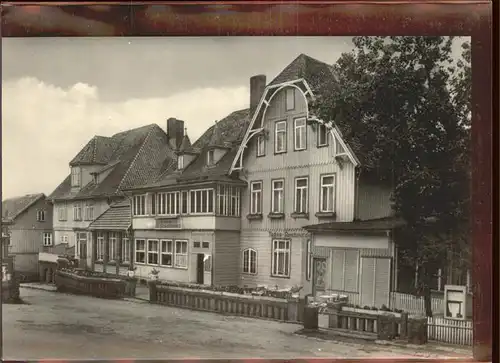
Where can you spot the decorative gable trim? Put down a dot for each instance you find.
(260, 114)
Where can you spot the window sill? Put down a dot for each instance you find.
(249, 273)
(254, 217)
(297, 150)
(297, 215)
(276, 215)
(326, 215)
(280, 277)
(322, 146)
(167, 216)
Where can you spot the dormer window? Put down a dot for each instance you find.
(180, 162)
(210, 157)
(76, 176)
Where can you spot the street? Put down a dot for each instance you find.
(60, 326)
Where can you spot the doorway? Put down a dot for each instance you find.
(200, 268)
(82, 249)
(319, 275)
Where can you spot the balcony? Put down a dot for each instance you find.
(189, 222)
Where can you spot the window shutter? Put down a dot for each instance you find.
(351, 271)
(382, 281)
(367, 281)
(337, 269)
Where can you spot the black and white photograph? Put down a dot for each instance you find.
(236, 197)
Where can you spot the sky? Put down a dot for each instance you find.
(57, 93)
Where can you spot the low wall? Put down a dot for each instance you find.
(290, 310)
(102, 287)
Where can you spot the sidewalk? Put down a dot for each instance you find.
(354, 337)
(141, 292)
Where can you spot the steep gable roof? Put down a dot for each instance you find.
(312, 70)
(136, 155)
(13, 207)
(117, 217)
(228, 132)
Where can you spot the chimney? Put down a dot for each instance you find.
(257, 86)
(175, 132)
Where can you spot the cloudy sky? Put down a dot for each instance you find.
(57, 93)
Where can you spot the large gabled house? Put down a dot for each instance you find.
(30, 231)
(186, 222)
(99, 172)
(309, 218)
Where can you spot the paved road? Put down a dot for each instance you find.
(61, 326)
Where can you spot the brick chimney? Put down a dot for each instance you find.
(175, 132)
(257, 86)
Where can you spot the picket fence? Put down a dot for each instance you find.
(415, 305)
(449, 331)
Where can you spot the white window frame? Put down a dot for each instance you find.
(204, 194)
(277, 133)
(64, 238)
(252, 257)
(290, 98)
(100, 247)
(210, 157)
(168, 203)
(261, 145)
(112, 246)
(180, 162)
(228, 200)
(256, 197)
(139, 205)
(77, 211)
(62, 212)
(309, 259)
(47, 239)
(298, 200)
(140, 250)
(280, 191)
(152, 252)
(125, 257)
(76, 176)
(184, 204)
(165, 253)
(325, 187)
(276, 252)
(40, 215)
(300, 129)
(181, 254)
(322, 129)
(89, 211)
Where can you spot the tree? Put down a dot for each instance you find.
(403, 105)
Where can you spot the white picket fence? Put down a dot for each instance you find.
(415, 305)
(450, 331)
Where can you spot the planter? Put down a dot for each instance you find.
(311, 318)
(370, 312)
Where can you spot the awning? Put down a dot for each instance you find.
(381, 224)
(116, 218)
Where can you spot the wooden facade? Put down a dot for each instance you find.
(27, 234)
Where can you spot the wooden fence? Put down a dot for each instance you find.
(449, 331)
(415, 305)
(228, 303)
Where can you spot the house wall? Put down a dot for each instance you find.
(192, 222)
(261, 241)
(371, 249)
(27, 237)
(374, 201)
(66, 228)
(313, 162)
(226, 262)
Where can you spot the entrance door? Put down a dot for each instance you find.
(319, 275)
(82, 249)
(200, 268)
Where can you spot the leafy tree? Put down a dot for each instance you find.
(403, 104)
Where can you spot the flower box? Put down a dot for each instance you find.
(370, 312)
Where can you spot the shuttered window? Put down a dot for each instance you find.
(375, 282)
(345, 268)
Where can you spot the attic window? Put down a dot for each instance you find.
(180, 162)
(290, 98)
(75, 176)
(210, 157)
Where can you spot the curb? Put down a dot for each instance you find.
(38, 288)
(425, 347)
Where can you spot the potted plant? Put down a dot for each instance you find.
(153, 275)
